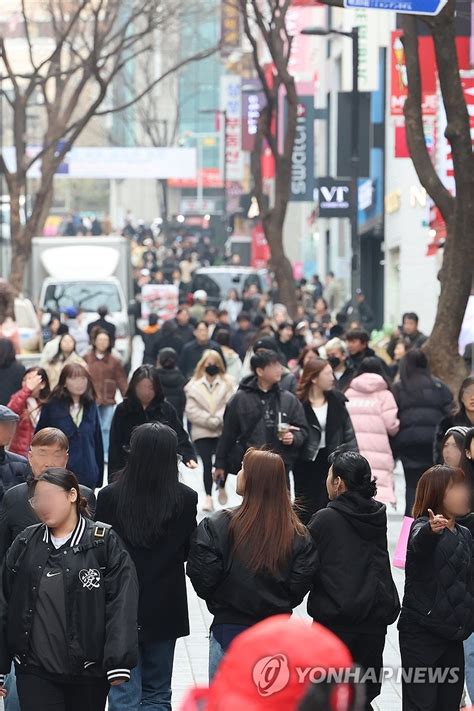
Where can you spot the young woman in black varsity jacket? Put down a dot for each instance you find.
(68, 604)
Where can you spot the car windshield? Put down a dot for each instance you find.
(215, 283)
(88, 297)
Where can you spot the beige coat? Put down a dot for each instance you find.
(54, 369)
(205, 407)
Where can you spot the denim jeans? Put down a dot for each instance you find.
(11, 701)
(106, 413)
(216, 654)
(149, 688)
(469, 662)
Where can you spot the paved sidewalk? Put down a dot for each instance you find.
(192, 652)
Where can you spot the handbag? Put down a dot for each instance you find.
(399, 557)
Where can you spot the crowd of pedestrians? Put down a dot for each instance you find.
(311, 420)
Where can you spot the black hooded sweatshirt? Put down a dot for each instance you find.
(353, 588)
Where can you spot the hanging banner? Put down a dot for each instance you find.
(230, 27)
(253, 101)
(161, 299)
(302, 161)
(260, 252)
(399, 88)
(231, 102)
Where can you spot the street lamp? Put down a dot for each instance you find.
(354, 36)
(223, 113)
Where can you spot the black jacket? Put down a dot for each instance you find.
(420, 410)
(354, 361)
(165, 340)
(101, 618)
(11, 378)
(163, 605)
(16, 513)
(339, 428)
(353, 586)
(244, 416)
(344, 381)
(191, 355)
(439, 577)
(14, 469)
(127, 417)
(172, 382)
(415, 340)
(233, 593)
(446, 423)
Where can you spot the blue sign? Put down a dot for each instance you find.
(412, 7)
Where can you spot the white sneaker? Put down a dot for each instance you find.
(222, 496)
(208, 505)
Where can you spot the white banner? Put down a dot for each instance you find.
(161, 299)
(231, 101)
(110, 163)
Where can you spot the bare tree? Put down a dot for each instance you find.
(266, 29)
(457, 272)
(93, 42)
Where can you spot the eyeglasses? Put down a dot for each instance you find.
(37, 501)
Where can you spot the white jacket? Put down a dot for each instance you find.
(205, 406)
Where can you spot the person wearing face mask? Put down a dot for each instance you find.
(73, 410)
(207, 395)
(337, 355)
(438, 604)
(329, 427)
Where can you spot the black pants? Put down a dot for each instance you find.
(206, 448)
(39, 694)
(310, 485)
(422, 650)
(412, 477)
(366, 649)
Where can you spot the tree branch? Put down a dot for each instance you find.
(414, 123)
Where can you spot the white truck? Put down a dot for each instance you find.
(85, 273)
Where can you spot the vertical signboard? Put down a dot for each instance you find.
(302, 162)
(231, 103)
(253, 101)
(230, 26)
(399, 90)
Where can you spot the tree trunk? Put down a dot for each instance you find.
(280, 263)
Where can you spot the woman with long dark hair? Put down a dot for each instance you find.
(463, 416)
(72, 409)
(108, 376)
(155, 515)
(253, 561)
(329, 426)
(374, 415)
(68, 604)
(65, 355)
(353, 592)
(144, 402)
(422, 403)
(11, 371)
(438, 605)
(27, 404)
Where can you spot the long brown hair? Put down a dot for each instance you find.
(263, 528)
(431, 489)
(312, 369)
(73, 370)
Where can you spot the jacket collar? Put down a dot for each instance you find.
(76, 534)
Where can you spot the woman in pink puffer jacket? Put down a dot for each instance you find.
(374, 415)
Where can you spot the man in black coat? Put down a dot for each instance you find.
(49, 448)
(255, 412)
(193, 351)
(13, 467)
(102, 324)
(358, 347)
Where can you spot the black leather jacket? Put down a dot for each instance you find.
(339, 428)
(101, 617)
(234, 594)
(14, 470)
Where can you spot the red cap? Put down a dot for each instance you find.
(260, 670)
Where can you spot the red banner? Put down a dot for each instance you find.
(399, 75)
(260, 253)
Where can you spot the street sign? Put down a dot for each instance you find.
(411, 7)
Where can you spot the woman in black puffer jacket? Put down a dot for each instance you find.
(438, 605)
(422, 403)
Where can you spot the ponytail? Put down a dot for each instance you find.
(355, 472)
